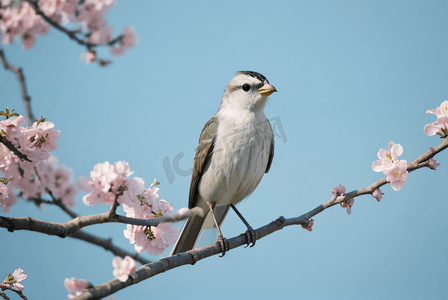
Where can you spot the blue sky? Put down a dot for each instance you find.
(351, 76)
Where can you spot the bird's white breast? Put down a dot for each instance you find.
(240, 157)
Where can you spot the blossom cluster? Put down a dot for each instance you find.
(441, 125)
(109, 183)
(394, 169)
(23, 21)
(38, 177)
(123, 267)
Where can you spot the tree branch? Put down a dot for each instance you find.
(65, 229)
(21, 78)
(70, 34)
(171, 262)
(107, 244)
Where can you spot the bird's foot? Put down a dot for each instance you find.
(224, 244)
(251, 236)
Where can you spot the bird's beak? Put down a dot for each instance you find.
(266, 90)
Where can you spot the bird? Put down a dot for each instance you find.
(235, 150)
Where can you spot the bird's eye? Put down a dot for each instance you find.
(246, 87)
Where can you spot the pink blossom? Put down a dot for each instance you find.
(7, 199)
(348, 205)
(42, 139)
(98, 185)
(441, 111)
(62, 11)
(397, 175)
(33, 178)
(28, 41)
(67, 193)
(12, 281)
(163, 207)
(14, 130)
(441, 125)
(88, 56)
(377, 194)
(8, 163)
(433, 164)
(165, 235)
(123, 172)
(387, 158)
(128, 40)
(104, 183)
(75, 286)
(310, 224)
(340, 189)
(43, 136)
(153, 240)
(62, 176)
(91, 14)
(102, 5)
(101, 35)
(95, 196)
(123, 267)
(138, 235)
(134, 203)
(23, 22)
(3, 190)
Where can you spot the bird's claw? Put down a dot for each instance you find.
(224, 245)
(251, 236)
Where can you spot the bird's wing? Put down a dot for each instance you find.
(271, 154)
(203, 154)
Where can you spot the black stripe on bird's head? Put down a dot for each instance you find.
(255, 75)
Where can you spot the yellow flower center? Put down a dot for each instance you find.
(42, 141)
(397, 174)
(389, 157)
(10, 279)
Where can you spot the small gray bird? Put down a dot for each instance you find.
(236, 148)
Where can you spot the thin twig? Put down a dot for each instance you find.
(65, 229)
(107, 245)
(21, 78)
(70, 34)
(61, 205)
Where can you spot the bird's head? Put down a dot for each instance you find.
(247, 90)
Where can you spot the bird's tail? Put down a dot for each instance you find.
(193, 227)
